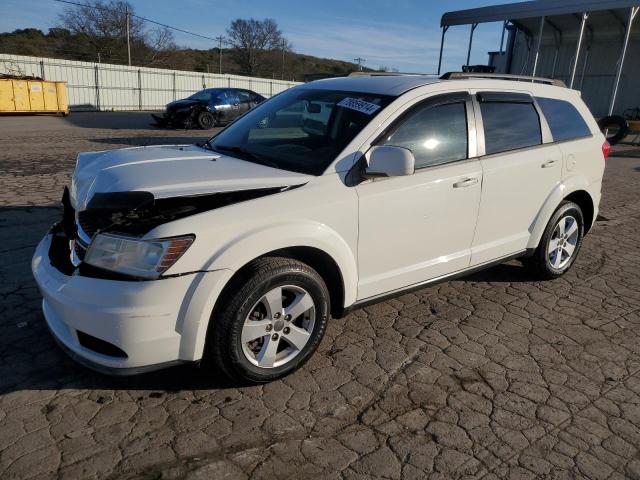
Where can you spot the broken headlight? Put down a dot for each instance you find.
(132, 256)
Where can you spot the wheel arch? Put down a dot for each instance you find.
(318, 247)
(575, 190)
(316, 258)
(583, 199)
(319, 260)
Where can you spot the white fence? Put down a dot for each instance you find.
(101, 86)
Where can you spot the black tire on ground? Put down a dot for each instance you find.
(224, 345)
(617, 126)
(206, 120)
(540, 263)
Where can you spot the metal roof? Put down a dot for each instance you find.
(531, 9)
(383, 85)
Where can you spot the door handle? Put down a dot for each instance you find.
(467, 182)
(549, 163)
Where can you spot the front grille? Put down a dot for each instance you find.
(68, 215)
(59, 251)
(89, 222)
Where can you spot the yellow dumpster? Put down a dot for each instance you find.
(33, 96)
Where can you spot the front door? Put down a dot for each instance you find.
(419, 227)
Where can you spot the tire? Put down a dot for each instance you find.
(618, 126)
(548, 262)
(206, 120)
(250, 304)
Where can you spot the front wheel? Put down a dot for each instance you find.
(270, 322)
(206, 120)
(560, 243)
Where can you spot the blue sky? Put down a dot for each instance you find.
(403, 34)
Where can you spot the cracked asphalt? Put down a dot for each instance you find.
(492, 376)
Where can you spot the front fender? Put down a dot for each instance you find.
(561, 191)
(239, 251)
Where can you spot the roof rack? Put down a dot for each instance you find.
(380, 74)
(502, 76)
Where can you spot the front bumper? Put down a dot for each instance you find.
(146, 323)
(173, 117)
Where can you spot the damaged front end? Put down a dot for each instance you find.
(128, 215)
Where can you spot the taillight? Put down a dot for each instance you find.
(606, 149)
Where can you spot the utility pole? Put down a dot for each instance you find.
(284, 44)
(126, 13)
(359, 61)
(220, 38)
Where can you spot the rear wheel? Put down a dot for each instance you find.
(206, 120)
(270, 322)
(560, 242)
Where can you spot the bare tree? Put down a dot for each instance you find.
(251, 39)
(103, 23)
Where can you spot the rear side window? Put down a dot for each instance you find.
(509, 126)
(564, 120)
(435, 134)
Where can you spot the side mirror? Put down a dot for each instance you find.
(389, 161)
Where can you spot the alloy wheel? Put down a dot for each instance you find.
(278, 326)
(563, 242)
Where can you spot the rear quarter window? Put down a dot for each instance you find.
(565, 122)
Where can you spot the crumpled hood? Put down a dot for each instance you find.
(182, 104)
(170, 171)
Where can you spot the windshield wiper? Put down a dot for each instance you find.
(245, 155)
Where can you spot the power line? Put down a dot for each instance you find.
(137, 16)
(359, 61)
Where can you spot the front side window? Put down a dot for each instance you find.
(302, 129)
(509, 126)
(435, 134)
(203, 96)
(565, 122)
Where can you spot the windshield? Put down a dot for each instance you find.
(204, 95)
(301, 130)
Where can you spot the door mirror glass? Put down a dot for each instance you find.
(390, 161)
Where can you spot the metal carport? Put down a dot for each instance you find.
(586, 43)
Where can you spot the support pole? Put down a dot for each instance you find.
(585, 15)
(535, 58)
(584, 66)
(633, 11)
(126, 12)
(555, 63)
(96, 81)
(284, 44)
(444, 30)
(504, 28)
(473, 27)
(220, 38)
(139, 90)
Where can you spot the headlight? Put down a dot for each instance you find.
(132, 256)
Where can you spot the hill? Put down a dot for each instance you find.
(60, 43)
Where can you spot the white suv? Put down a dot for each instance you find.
(330, 195)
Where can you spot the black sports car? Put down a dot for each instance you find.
(208, 108)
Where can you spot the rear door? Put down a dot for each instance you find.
(521, 167)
